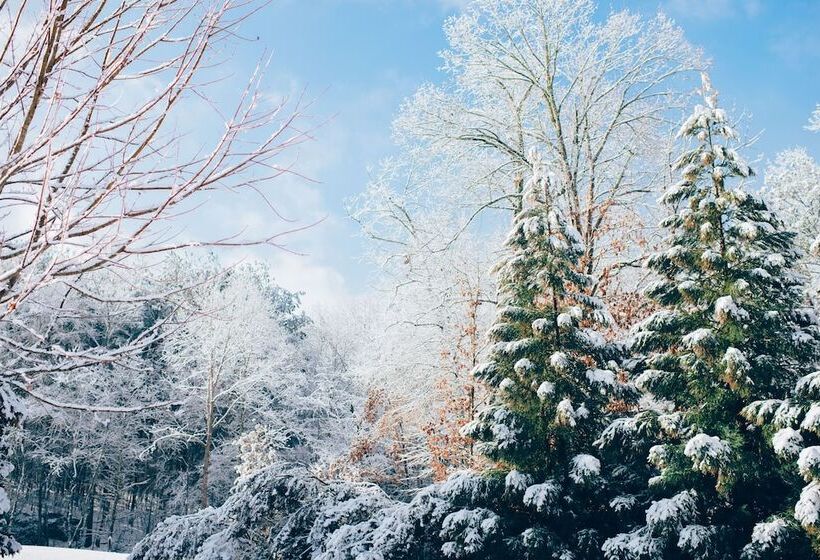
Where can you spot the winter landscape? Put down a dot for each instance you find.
(409, 279)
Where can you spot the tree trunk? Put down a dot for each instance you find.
(206, 464)
(41, 522)
(104, 510)
(209, 427)
(113, 518)
(89, 521)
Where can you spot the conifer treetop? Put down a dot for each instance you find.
(734, 329)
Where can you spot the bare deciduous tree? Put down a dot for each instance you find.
(596, 98)
(97, 100)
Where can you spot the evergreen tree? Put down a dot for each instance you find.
(734, 330)
(793, 425)
(552, 379)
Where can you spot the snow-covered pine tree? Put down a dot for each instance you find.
(552, 380)
(793, 425)
(734, 329)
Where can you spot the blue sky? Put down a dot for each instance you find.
(358, 59)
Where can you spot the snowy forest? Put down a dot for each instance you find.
(590, 332)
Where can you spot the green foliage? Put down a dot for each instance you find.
(735, 329)
(553, 378)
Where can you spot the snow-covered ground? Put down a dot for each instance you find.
(48, 553)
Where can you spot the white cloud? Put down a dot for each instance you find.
(322, 285)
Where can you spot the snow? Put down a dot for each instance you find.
(542, 496)
(636, 544)
(463, 485)
(672, 512)
(584, 467)
(545, 390)
(759, 411)
(516, 346)
(693, 537)
(506, 384)
(809, 384)
(811, 422)
(726, 308)
(471, 528)
(770, 533)
(565, 414)
(761, 273)
(735, 361)
(593, 338)
(657, 456)
(786, 414)
(671, 423)
(659, 320)
(775, 260)
(559, 361)
(687, 286)
(601, 376)
(504, 430)
(620, 428)
(484, 369)
(807, 509)
(623, 503)
(581, 412)
(523, 365)
(708, 453)
(809, 462)
(654, 480)
(517, 481)
(751, 230)
(787, 442)
(697, 338)
(564, 320)
(49, 553)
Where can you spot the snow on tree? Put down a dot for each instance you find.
(792, 189)
(420, 354)
(286, 512)
(413, 351)
(589, 93)
(249, 357)
(231, 356)
(794, 425)
(12, 411)
(435, 209)
(76, 479)
(98, 158)
(74, 466)
(551, 374)
(551, 379)
(734, 329)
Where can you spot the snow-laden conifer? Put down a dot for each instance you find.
(793, 423)
(553, 380)
(734, 331)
